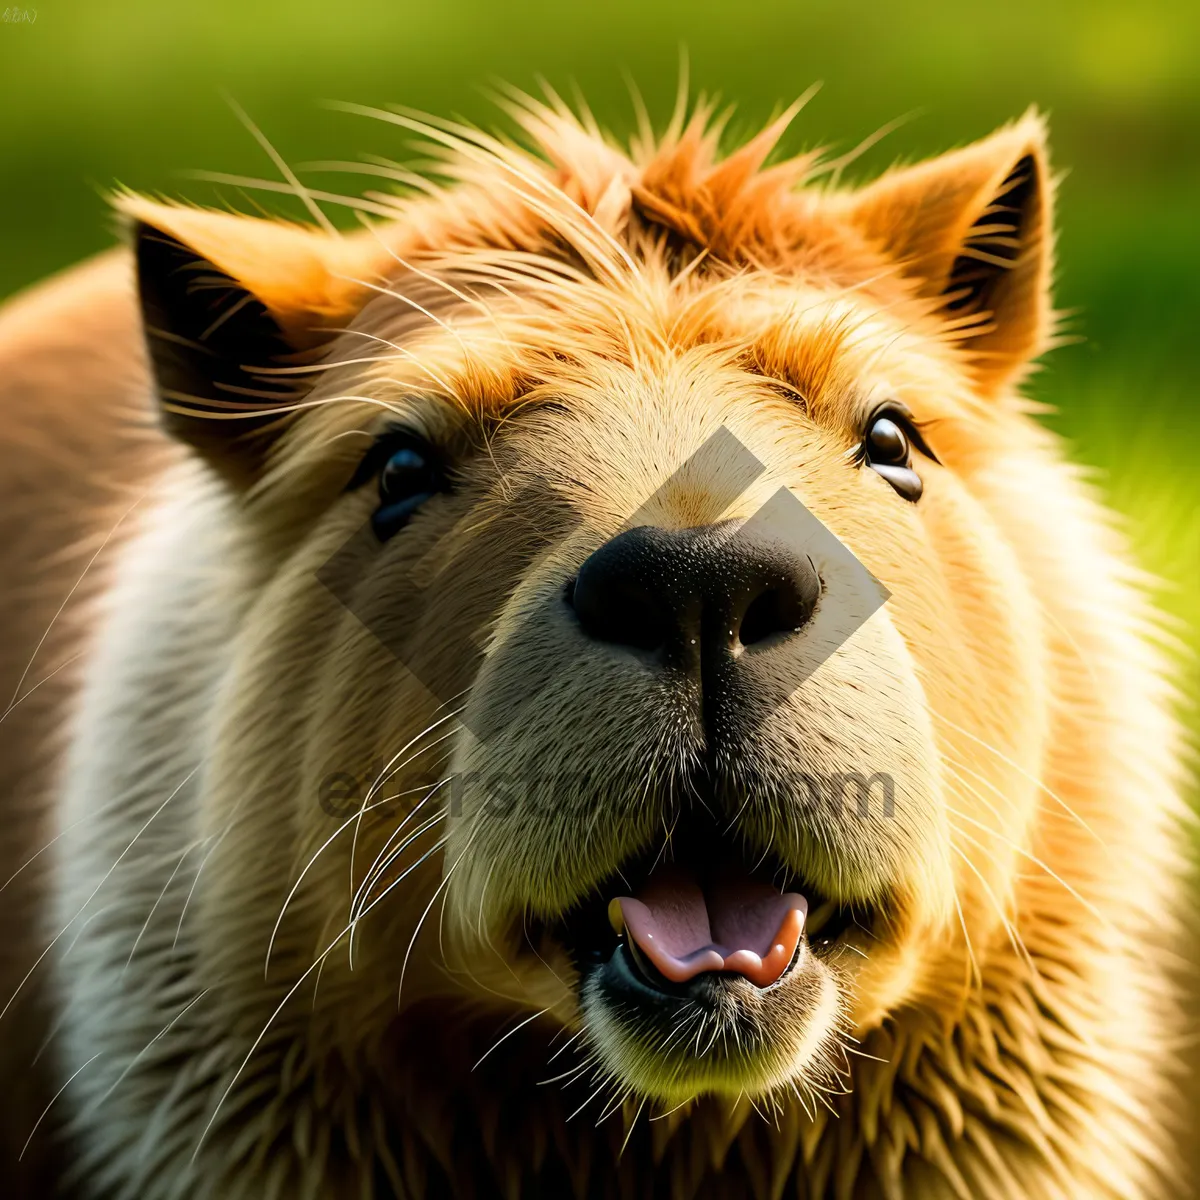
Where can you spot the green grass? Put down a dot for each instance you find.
(131, 91)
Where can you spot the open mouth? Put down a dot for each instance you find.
(681, 925)
(710, 967)
(700, 918)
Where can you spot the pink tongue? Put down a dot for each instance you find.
(735, 924)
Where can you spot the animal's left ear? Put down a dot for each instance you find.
(973, 230)
(226, 302)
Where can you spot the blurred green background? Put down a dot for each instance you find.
(132, 91)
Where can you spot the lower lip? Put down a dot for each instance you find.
(626, 972)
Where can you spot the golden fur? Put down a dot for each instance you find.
(260, 1000)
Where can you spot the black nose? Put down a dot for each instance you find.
(693, 593)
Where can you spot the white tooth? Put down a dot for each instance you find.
(616, 918)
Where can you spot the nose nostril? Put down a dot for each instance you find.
(618, 611)
(780, 609)
(690, 594)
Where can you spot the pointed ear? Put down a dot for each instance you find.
(224, 299)
(973, 229)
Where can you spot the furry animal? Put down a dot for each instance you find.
(433, 761)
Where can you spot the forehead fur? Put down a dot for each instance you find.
(667, 204)
(570, 195)
(633, 253)
(517, 266)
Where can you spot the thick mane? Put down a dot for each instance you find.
(732, 208)
(668, 198)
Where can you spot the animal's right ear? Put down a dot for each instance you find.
(973, 231)
(226, 300)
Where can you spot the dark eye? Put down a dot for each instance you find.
(409, 474)
(887, 443)
(887, 448)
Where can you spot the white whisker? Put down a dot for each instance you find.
(46, 1110)
(504, 1038)
(92, 895)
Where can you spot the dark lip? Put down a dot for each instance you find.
(632, 979)
(631, 969)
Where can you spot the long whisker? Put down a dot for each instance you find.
(297, 188)
(92, 895)
(537, 953)
(217, 843)
(89, 816)
(78, 1071)
(1033, 858)
(976, 975)
(565, 1046)
(1021, 771)
(390, 769)
(474, 145)
(568, 1077)
(438, 845)
(428, 908)
(390, 851)
(146, 1048)
(478, 305)
(262, 1034)
(159, 899)
(67, 599)
(629, 1131)
(254, 183)
(44, 679)
(952, 766)
(483, 930)
(1018, 943)
(504, 1038)
(413, 836)
(604, 1082)
(618, 1100)
(308, 866)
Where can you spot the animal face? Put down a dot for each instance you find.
(636, 536)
